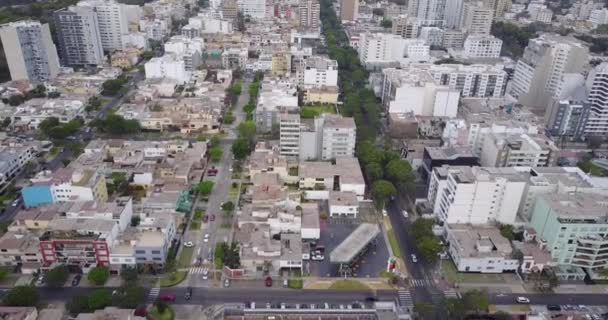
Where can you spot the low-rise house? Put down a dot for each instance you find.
(345, 173)
(126, 58)
(18, 313)
(268, 160)
(343, 204)
(30, 114)
(20, 249)
(310, 221)
(480, 249)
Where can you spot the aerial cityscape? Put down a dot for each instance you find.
(303, 159)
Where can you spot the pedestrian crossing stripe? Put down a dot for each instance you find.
(153, 293)
(451, 294)
(405, 298)
(421, 282)
(196, 270)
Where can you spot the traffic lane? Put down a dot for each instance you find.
(546, 299)
(401, 228)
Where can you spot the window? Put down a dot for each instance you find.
(155, 251)
(140, 251)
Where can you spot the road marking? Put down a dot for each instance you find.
(153, 294)
(405, 298)
(451, 293)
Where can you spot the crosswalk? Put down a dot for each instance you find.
(451, 293)
(153, 294)
(196, 270)
(421, 282)
(405, 298)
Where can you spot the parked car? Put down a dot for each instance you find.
(206, 238)
(227, 283)
(76, 280)
(212, 217)
(205, 218)
(40, 280)
(285, 283)
(414, 258)
(268, 281)
(523, 300)
(167, 297)
(188, 293)
(205, 274)
(554, 307)
(188, 244)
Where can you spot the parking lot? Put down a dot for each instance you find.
(333, 232)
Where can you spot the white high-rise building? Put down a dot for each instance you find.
(253, 8)
(428, 12)
(339, 137)
(597, 82)
(476, 195)
(453, 13)
(477, 80)
(382, 48)
(538, 74)
(78, 36)
(599, 17)
(289, 134)
(477, 18)
(30, 51)
(317, 72)
(482, 46)
(112, 18)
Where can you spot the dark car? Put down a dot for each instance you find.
(205, 218)
(188, 293)
(554, 307)
(76, 280)
(268, 281)
(212, 217)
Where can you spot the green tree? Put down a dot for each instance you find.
(56, 277)
(429, 248)
(160, 305)
(99, 299)
(129, 296)
(246, 129)
(424, 310)
(249, 107)
(382, 191)
(117, 125)
(216, 154)
(99, 275)
(241, 149)
(135, 221)
(455, 308)
(373, 171)
(113, 86)
(228, 206)
(236, 88)
(400, 173)
(214, 141)
(78, 304)
(129, 274)
(204, 188)
(368, 153)
(21, 296)
(476, 300)
(421, 228)
(386, 23)
(147, 55)
(506, 231)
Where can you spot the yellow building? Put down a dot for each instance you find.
(281, 63)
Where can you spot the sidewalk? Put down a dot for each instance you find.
(582, 288)
(385, 228)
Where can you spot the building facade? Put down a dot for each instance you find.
(482, 46)
(78, 36)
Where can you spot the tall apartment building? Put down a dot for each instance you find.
(476, 195)
(339, 137)
(384, 48)
(30, 52)
(508, 150)
(112, 22)
(597, 82)
(309, 12)
(230, 10)
(482, 46)
(477, 18)
(289, 134)
(317, 72)
(477, 80)
(453, 39)
(13, 160)
(253, 8)
(349, 10)
(405, 26)
(428, 12)
(573, 227)
(78, 36)
(567, 119)
(538, 74)
(327, 137)
(453, 13)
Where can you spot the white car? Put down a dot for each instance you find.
(206, 238)
(414, 258)
(205, 274)
(188, 244)
(523, 300)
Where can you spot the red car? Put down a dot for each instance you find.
(268, 281)
(212, 217)
(167, 297)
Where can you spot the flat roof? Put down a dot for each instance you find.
(354, 243)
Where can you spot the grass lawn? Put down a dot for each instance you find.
(392, 239)
(309, 112)
(295, 283)
(185, 259)
(172, 279)
(348, 285)
(448, 269)
(234, 191)
(166, 315)
(195, 225)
